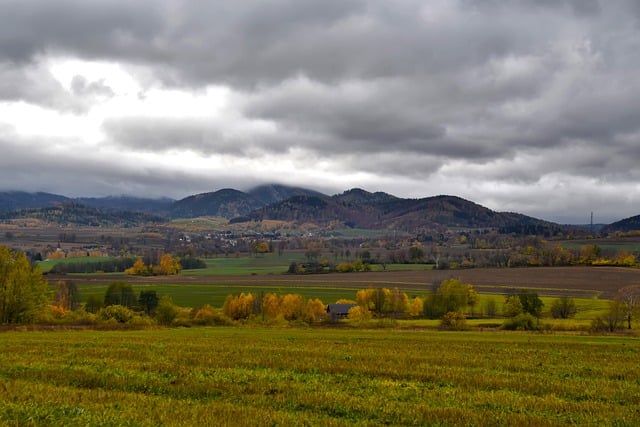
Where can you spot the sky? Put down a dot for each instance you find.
(517, 105)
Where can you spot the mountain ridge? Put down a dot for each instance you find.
(352, 208)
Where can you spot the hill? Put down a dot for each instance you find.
(273, 193)
(226, 203)
(126, 203)
(14, 200)
(17, 200)
(361, 209)
(624, 225)
(73, 214)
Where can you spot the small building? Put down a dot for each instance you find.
(338, 311)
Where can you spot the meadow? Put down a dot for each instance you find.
(316, 376)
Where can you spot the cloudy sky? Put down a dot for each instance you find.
(528, 106)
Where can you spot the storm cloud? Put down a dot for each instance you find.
(518, 105)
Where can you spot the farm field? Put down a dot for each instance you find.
(316, 376)
(586, 282)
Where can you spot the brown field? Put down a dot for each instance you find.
(551, 281)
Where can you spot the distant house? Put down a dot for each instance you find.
(338, 311)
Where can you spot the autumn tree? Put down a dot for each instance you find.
(416, 309)
(138, 269)
(261, 248)
(316, 310)
(452, 295)
(512, 306)
(239, 307)
(292, 306)
(169, 265)
(23, 292)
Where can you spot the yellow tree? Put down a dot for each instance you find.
(292, 306)
(239, 307)
(316, 310)
(138, 268)
(271, 305)
(169, 265)
(416, 308)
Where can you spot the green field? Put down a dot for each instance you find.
(46, 266)
(197, 295)
(317, 376)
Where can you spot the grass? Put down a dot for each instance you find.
(244, 265)
(47, 265)
(257, 376)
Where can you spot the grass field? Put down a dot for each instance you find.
(257, 376)
(46, 266)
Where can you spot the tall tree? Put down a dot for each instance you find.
(23, 292)
(120, 293)
(67, 295)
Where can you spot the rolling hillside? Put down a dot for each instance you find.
(361, 209)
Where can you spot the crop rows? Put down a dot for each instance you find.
(262, 376)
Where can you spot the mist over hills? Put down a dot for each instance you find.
(352, 208)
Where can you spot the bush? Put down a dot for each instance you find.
(166, 311)
(359, 313)
(454, 320)
(521, 322)
(345, 267)
(563, 308)
(118, 313)
(209, 316)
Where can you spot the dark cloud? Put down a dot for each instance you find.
(80, 86)
(486, 95)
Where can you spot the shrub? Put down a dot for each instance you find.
(359, 313)
(166, 311)
(119, 313)
(454, 320)
(209, 316)
(521, 322)
(563, 308)
(345, 267)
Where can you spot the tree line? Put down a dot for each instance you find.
(25, 298)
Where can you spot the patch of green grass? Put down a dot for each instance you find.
(47, 265)
(284, 376)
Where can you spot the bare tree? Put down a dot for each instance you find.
(629, 296)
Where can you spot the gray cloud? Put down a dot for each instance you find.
(468, 95)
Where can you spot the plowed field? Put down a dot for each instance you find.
(573, 281)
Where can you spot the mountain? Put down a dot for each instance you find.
(126, 203)
(73, 214)
(226, 203)
(272, 193)
(624, 225)
(12, 200)
(361, 209)
(360, 196)
(16, 200)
